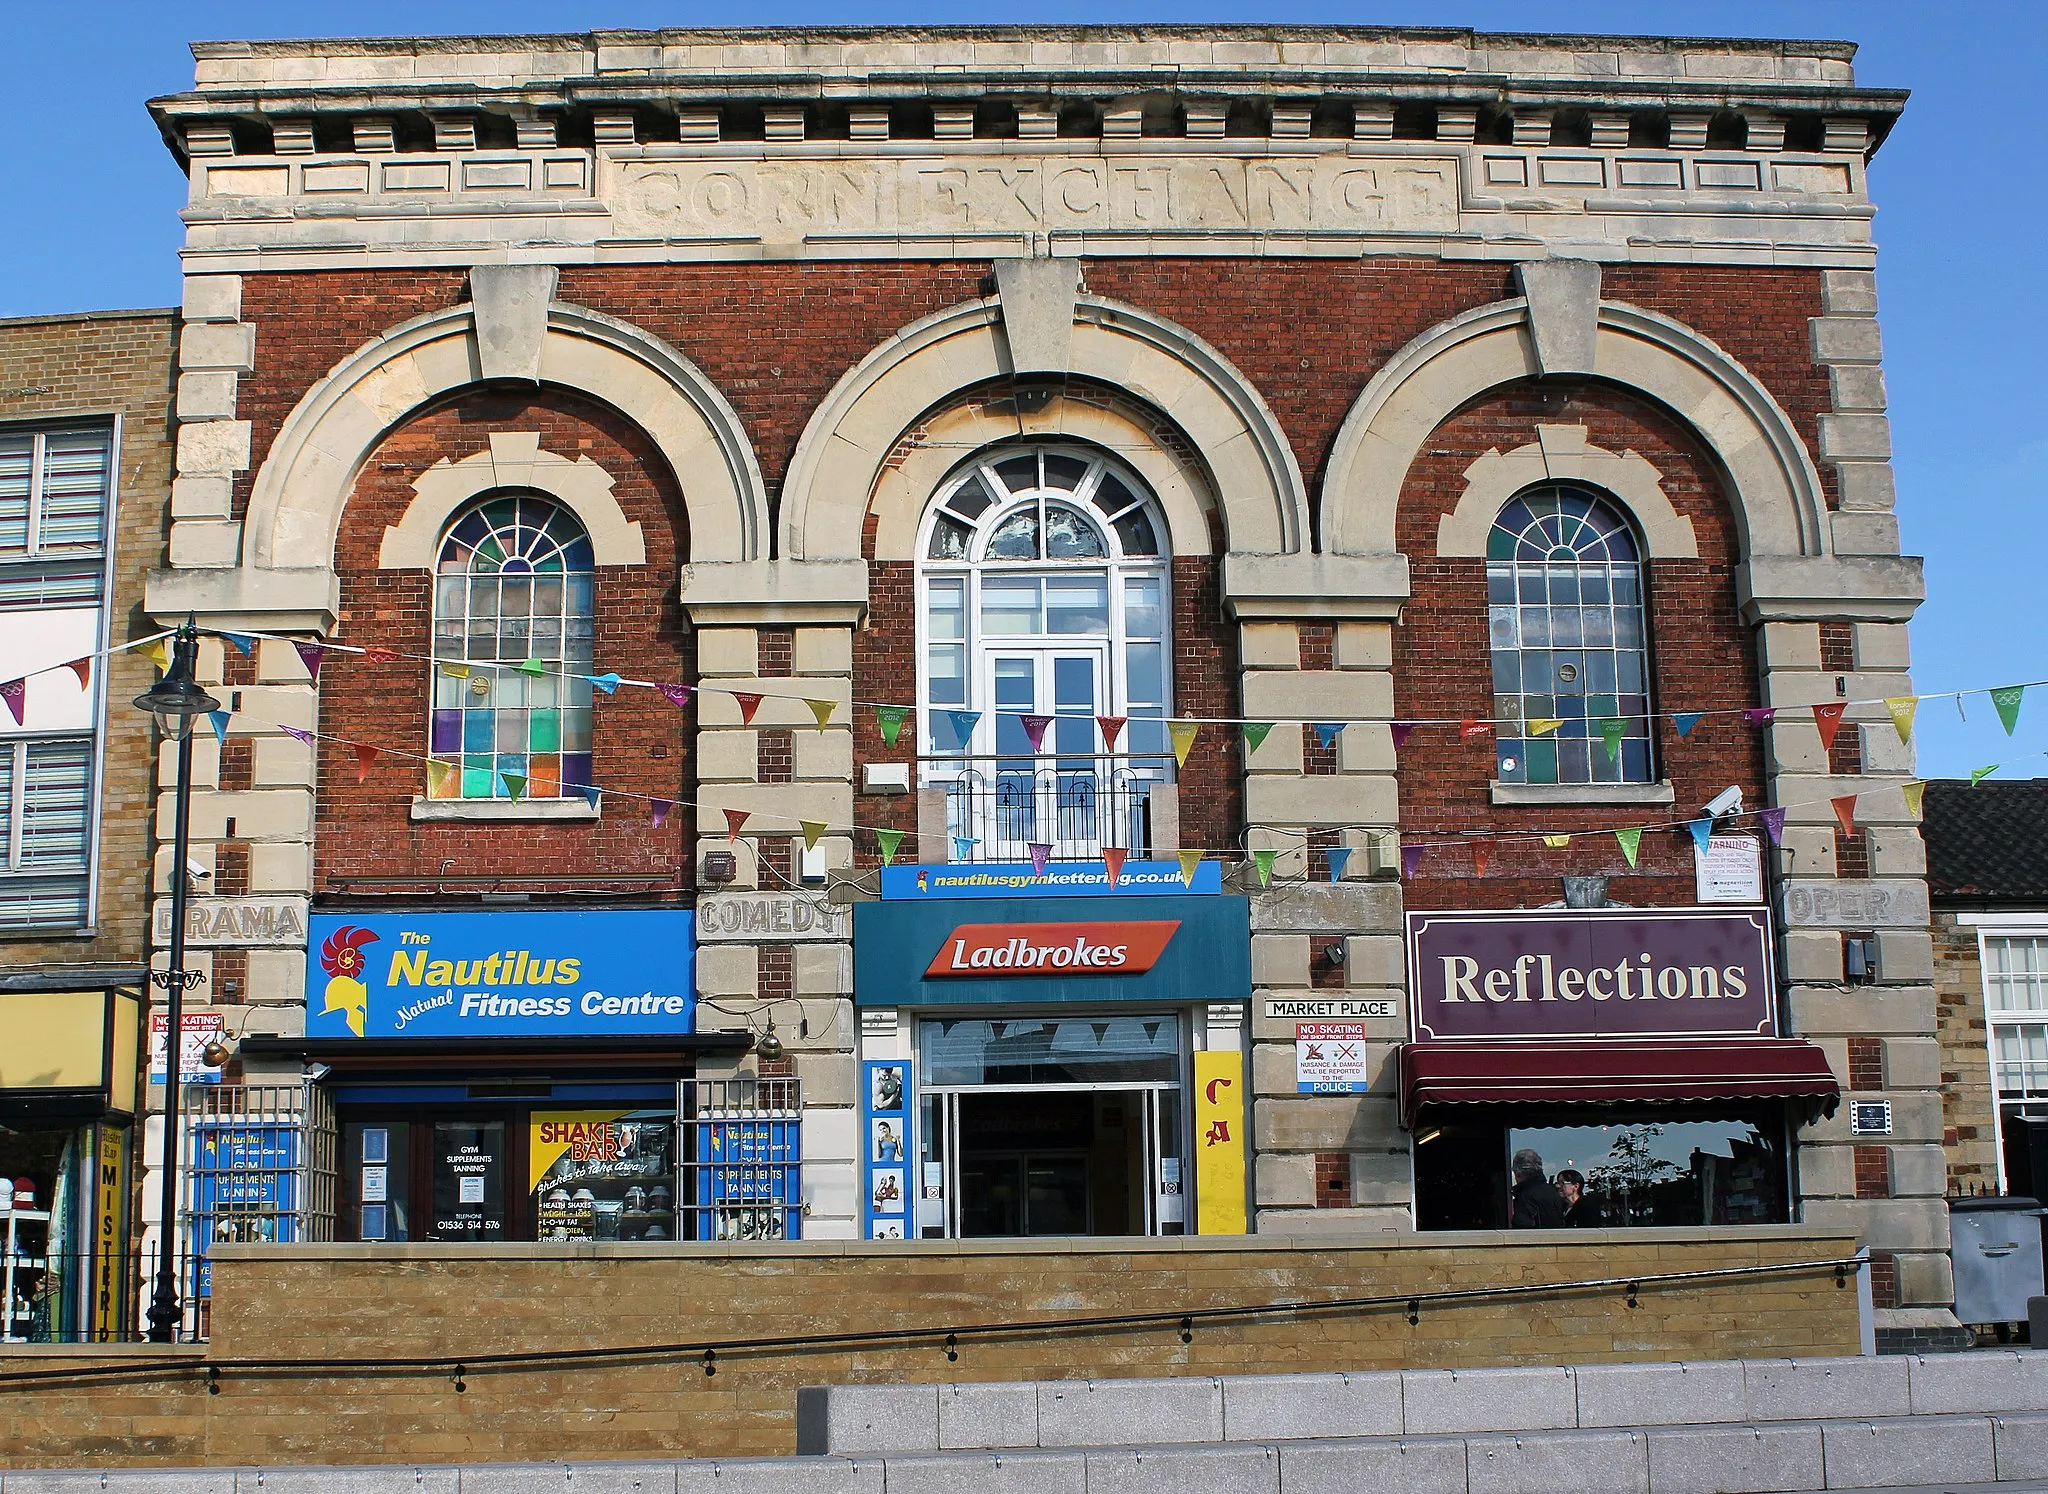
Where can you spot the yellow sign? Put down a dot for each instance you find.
(110, 1238)
(585, 1135)
(1219, 1143)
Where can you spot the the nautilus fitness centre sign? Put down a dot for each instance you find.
(1636, 973)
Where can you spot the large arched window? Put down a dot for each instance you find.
(1043, 592)
(1564, 585)
(513, 586)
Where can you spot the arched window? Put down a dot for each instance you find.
(513, 586)
(1043, 592)
(1564, 586)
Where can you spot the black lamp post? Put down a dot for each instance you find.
(177, 702)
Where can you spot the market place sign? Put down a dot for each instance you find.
(1617, 972)
(997, 949)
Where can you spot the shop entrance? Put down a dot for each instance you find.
(1064, 1126)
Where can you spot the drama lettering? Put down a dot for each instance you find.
(1537, 978)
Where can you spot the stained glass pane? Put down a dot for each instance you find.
(1068, 536)
(1016, 538)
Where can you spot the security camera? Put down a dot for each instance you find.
(196, 871)
(1727, 802)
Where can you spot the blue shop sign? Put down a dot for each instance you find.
(473, 975)
(1018, 951)
(1059, 879)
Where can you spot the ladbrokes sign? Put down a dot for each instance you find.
(1679, 972)
(998, 949)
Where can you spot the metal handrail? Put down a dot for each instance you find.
(457, 1366)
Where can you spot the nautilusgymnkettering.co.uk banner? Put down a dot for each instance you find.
(514, 974)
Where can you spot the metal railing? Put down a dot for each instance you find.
(999, 812)
(742, 1169)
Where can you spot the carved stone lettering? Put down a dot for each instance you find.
(770, 918)
(1824, 903)
(237, 922)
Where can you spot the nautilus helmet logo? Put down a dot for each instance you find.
(343, 960)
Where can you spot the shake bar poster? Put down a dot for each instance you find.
(603, 1174)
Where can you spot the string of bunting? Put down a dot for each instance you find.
(14, 692)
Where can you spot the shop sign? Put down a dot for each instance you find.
(947, 879)
(888, 1141)
(476, 975)
(995, 949)
(1038, 950)
(1729, 869)
(245, 1187)
(1219, 1143)
(199, 1029)
(601, 1174)
(110, 1237)
(242, 922)
(1823, 902)
(1329, 1058)
(1620, 972)
(770, 918)
(1351, 1011)
(749, 1177)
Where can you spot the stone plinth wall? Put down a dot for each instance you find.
(364, 1304)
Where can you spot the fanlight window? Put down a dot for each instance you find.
(1564, 589)
(515, 583)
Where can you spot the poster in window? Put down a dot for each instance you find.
(469, 1181)
(888, 1098)
(603, 1174)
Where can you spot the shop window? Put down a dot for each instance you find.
(2016, 1004)
(1044, 592)
(1648, 1167)
(514, 585)
(1564, 582)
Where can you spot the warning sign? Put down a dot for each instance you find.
(1329, 1058)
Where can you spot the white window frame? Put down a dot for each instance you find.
(1991, 926)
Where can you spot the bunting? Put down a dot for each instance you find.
(159, 655)
(365, 755)
(963, 724)
(749, 703)
(1327, 733)
(220, 721)
(607, 682)
(531, 665)
(1543, 726)
(1263, 861)
(515, 784)
(243, 642)
(657, 810)
(1339, 857)
(1041, 857)
(1760, 715)
(1190, 863)
(822, 709)
(592, 794)
(1411, 859)
(1914, 792)
(1702, 832)
(1685, 721)
(812, 830)
(1481, 854)
(1255, 733)
(455, 671)
(1828, 718)
(1902, 708)
(2007, 699)
(1556, 842)
(678, 695)
(1631, 840)
(1612, 729)
(15, 694)
(1034, 731)
(887, 841)
(1111, 728)
(1183, 734)
(1774, 824)
(1470, 729)
(1845, 811)
(735, 819)
(297, 734)
(1113, 863)
(438, 773)
(1400, 731)
(376, 654)
(963, 847)
(890, 719)
(83, 669)
(1978, 775)
(312, 655)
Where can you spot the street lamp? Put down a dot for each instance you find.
(177, 702)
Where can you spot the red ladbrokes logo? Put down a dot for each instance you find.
(990, 949)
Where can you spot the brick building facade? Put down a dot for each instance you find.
(1271, 329)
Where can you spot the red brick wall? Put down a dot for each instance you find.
(1702, 658)
(640, 742)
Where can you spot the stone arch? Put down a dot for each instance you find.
(296, 504)
(514, 460)
(842, 455)
(1779, 505)
(1562, 453)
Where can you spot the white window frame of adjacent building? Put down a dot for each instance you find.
(2027, 1025)
(52, 560)
(1071, 795)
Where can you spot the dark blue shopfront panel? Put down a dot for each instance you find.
(1016, 951)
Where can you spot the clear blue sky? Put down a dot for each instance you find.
(95, 195)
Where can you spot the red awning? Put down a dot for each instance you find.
(1615, 1072)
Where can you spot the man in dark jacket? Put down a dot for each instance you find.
(1538, 1205)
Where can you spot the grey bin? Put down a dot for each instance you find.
(1997, 1251)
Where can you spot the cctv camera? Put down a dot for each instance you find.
(1727, 802)
(196, 871)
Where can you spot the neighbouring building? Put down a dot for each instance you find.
(85, 471)
(1048, 631)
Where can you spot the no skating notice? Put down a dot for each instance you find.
(1329, 1058)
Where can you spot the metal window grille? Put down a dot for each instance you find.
(259, 1166)
(742, 1159)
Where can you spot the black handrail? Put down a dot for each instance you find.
(458, 1366)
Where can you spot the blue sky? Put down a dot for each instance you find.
(96, 198)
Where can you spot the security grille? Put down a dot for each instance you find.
(743, 1159)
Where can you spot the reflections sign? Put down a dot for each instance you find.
(1615, 972)
(457, 975)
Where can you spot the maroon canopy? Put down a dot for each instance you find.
(1611, 1072)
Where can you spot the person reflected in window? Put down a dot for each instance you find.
(1581, 1209)
(1538, 1204)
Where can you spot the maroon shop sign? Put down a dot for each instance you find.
(1619, 972)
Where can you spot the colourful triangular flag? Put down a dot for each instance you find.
(15, 694)
(1543, 726)
(515, 784)
(1685, 721)
(963, 846)
(591, 793)
(159, 655)
(734, 819)
(455, 671)
(297, 733)
(531, 665)
(678, 695)
(891, 719)
(1612, 730)
(1902, 708)
(1702, 832)
(822, 709)
(1183, 734)
(311, 655)
(1631, 840)
(438, 774)
(1411, 859)
(1113, 863)
(1255, 735)
(1339, 857)
(1470, 729)
(1400, 731)
(607, 682)
(812, 830)
(1845, 811)
(963, 724)
(1915, 792)
(376, 653)
(1760, 715)
(83, 669)
(1041, 856)
(1774, 825)
(1327, 733)
(1556, 842)
(244, 643)
(888, 841)
(657, 810)
(2007, 699)
(1828, 718)
(1263, 862)
(1111, 728)
(1034, 731)
(1978, 775)
(220, 721)
(1190, 863)
(365, 755)
(749, 703)
(1480, 856)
